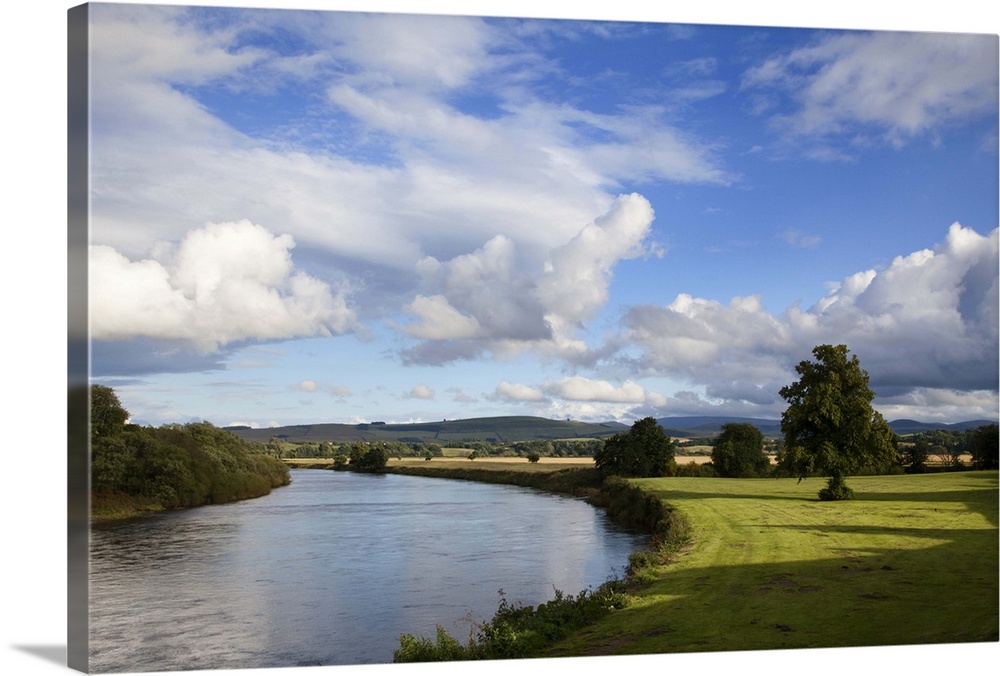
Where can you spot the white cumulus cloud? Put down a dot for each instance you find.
(421, 391)
(507, 391)
(224, 282)
(578, 388)
(928, 320)
(490, 299)
(577, 274)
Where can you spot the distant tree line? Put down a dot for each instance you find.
(829, 429)
(173, 465)
(949, 448)
(549, 448)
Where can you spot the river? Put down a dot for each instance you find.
(333, 568)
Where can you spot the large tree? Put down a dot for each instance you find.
(644, 451)
(830, 426)
(983, 447)
(107, 415)
(739, 452)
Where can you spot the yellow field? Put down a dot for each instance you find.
(581, 462)
(488, 460)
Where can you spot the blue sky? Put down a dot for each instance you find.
(330, 216)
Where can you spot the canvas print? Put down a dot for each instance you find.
(405, 338)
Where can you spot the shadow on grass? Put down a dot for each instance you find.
(861, 598)
(857, 585)
(979, 492)
(982, 501)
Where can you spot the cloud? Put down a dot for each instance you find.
(897, 85)
(421, 391)
(339, 391)
(459, 395)
(481, 295)
(507, 391)
(800, 240)
(139, 356)
(392, 157)
(305, 386)
(927, 321)
(948, 405)
(492, 300)
(578, 388)
(224, 283)
(439, 320)
(444, 53)
(577, 274)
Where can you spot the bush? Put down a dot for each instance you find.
(517, 631)
(445, 648)
(836, 489)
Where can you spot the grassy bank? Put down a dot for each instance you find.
(912, 560)
(112, 507)
(765, 565)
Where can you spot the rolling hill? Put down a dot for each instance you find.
(508, 429)
(499, 429)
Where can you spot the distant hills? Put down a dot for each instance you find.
(500, 429)
(509, 429)
(904, 426)
(707, 426)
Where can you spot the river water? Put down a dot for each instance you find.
(333, 568)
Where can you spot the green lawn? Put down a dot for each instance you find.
(912, 559)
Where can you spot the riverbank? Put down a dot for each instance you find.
(767, 566)
(106, 507)
(114, 507)
(524, 632)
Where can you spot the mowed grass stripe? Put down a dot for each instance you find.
(913, 559)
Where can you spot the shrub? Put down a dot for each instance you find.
(517, 631)
(836, 489)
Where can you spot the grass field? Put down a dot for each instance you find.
(912, 560)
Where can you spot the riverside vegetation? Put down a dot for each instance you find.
(137, 469)
(734, 563)
(766, 565)
(756, 564)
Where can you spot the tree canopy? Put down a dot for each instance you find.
(644, 451)
(368, 457)
(172, 465)
(739, 452)
(984, 447)
(107, 415)
(830, 426)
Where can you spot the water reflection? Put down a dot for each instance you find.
(332, 569)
